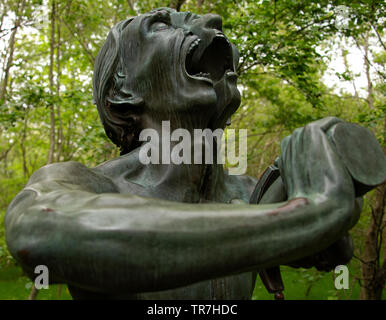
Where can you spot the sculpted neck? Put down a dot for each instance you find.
(169, 173)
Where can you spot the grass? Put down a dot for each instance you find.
(309, 284)
(300, 284)
(16, 286)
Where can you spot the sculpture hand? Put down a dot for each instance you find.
(311, 168)
(356, 147)
(316, 163)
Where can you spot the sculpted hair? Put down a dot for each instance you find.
(117, 108)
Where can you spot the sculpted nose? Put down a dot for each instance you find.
(207, 21)
(212, 21)
(206, 28)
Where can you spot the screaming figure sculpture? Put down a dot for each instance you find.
(125, 230)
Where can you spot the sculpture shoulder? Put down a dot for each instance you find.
(72, 174)
(61, 177)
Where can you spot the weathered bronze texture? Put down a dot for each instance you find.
(128, 230)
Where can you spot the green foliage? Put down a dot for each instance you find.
(284, 49)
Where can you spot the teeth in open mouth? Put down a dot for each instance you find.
(212, 61)
(193, 45)
(203, 75)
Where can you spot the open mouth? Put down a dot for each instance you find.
(209, 62)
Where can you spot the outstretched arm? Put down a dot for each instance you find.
(123, 243)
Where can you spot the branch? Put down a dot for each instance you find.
(91, 57)
(363, 261)
(130, 3)
(5, 153)
(380, 73)
(379, 37)
(176, 4)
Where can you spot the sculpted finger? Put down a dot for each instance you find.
(310, 165)
(361, 154)
(326, 123)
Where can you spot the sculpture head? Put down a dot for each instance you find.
(165, 65)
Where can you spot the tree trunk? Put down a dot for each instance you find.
(350, 73)
(58, 111)
(12, 40)
(367, 68)
(34, 293)
(4, 82)
(51, 79)
(373, 272)
(22, 145)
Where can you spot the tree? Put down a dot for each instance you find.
(47, 114)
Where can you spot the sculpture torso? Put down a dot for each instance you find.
(126, 175)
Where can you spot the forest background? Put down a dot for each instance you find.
(299, 61)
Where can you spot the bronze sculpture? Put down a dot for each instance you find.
(128, 230)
